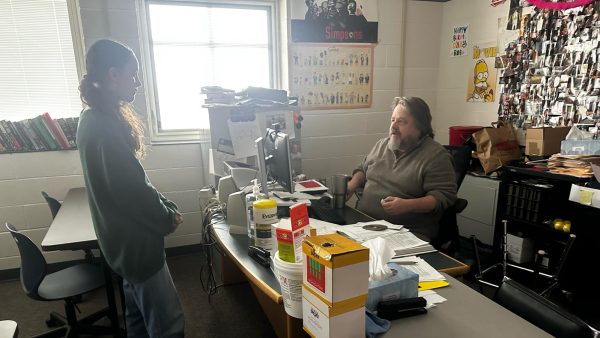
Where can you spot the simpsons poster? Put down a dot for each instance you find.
(334, 21)
(481, 83)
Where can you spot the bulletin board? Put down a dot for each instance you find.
(549, 74)
(325, 76)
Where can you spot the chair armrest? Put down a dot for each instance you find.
(540, 312)
(460, 204)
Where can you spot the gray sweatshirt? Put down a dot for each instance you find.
(427, 169)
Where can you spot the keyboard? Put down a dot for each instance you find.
(325, 212)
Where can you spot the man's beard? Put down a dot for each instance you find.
(395, 144)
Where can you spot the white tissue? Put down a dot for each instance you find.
(380, 254)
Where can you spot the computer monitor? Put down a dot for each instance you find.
(274, 160)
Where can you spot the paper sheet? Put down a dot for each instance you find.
(243, 136)
(431, 297)
(285, 118)
(356, 231)
(425, 271)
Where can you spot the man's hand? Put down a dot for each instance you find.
(178, 220)
(396, 205)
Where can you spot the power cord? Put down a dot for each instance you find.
(211, 214)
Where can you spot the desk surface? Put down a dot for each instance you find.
(466, 313)
(72, 228)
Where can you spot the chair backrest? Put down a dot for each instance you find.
(540, 312)
(462, 160)
(447, 237)
(52, 203)
(33, 263)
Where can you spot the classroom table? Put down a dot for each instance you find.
(466, 313)
(72, 229)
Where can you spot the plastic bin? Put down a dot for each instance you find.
(460, 134)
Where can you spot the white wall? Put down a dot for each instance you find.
(421, 52)
(452, 108)
(335, 141)
(178, 171)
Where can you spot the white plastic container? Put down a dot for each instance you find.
(290, 279)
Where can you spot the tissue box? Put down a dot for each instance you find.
(336, 268)
(544, 141)
(519, 249)
(344, 320)
(580, 147)
(403, 284)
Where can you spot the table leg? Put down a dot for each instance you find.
(112, 304)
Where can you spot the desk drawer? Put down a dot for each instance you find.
(482, 195)
(467, 227)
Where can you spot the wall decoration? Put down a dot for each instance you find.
(549, 75)
(481, 85)
(459, 40)
(559, 4)
(334, 21)
(325, 76)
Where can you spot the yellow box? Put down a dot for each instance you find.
(335, 268)
(345, 319)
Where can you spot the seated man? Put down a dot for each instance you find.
(408, 178)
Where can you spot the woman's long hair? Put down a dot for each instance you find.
(100, 58)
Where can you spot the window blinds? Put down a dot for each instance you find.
(38, 72)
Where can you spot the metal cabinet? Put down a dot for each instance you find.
(479, 217)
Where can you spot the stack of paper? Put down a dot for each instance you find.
(398, 238)
(574, 165)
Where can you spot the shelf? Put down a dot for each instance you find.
(545, 174)
(34, 151)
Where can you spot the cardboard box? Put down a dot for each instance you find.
(336, 268)
(544, 141)
(580, 147)
(402, 284)
(290, 235)
(519, 249)
(340, 320)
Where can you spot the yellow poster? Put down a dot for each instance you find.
(481, 83)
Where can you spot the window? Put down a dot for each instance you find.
(197, 44)
(37, 60)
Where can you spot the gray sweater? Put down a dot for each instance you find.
(427, 169)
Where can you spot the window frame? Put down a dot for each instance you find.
(149, 79)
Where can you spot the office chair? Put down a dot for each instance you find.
(54, 206)
(64, 284)
(541, 312)
(447, 239)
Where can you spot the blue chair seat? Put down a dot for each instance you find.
(74, 280)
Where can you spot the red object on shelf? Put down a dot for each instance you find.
(459, 134)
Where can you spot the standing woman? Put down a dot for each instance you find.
(130, 216)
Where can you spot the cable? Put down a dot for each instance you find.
(211, 214)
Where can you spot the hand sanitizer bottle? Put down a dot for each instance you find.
(250, 198)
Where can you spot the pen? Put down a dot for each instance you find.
(406, 262)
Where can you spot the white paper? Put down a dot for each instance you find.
(425, 271)
(243, 136)
(404, 240)
(431, 297)
(285, 119)
(322, 227)
(356, 231)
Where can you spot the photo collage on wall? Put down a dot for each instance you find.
(325, 77)
(550, 75)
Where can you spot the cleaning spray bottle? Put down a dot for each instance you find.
(250, 198)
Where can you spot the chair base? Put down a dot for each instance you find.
(76, 328)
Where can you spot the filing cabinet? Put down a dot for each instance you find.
(480, 214)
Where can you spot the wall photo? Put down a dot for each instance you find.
(334, 21)
(325, 76)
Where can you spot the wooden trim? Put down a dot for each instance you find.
(456, 271)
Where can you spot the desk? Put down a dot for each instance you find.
(466, 313)
(73, 229)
